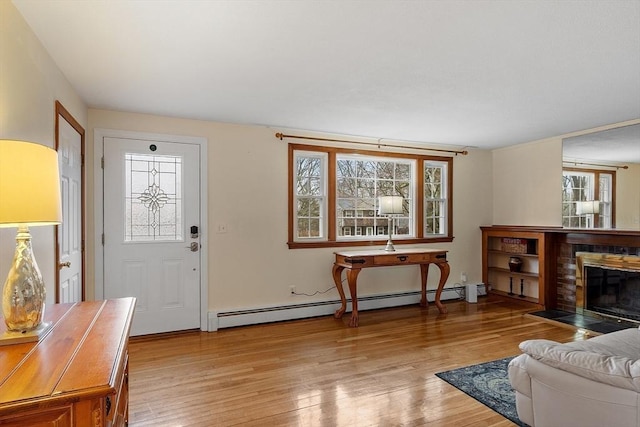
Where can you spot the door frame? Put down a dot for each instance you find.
(66, 115)
(98, 143)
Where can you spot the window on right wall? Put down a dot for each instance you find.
(588, 198)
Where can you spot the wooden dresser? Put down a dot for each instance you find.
(77, 375)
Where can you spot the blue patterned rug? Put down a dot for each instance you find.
(488, 383)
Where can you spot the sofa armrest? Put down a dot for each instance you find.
(518, 375)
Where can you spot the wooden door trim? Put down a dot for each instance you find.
(66, 115)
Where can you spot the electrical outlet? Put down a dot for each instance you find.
(463, 277)
(292, 290)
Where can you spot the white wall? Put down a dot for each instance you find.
(251, 266)
(527, 184)
(30, 83)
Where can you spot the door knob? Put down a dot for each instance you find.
(194, 246)
(64, 264)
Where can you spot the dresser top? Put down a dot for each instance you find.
(79, 357)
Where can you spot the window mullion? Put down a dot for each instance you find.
(419, 199)
(449, 199)
(331, 196)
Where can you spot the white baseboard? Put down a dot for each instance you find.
(229, 319)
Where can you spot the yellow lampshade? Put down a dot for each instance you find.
(29, 184)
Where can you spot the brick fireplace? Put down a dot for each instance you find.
(568, 244)
(608, 285)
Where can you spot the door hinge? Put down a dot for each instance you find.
(102, 239)
(102, 162)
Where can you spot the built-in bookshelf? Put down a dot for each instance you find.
(513, 263)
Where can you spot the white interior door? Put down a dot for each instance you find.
(69, 239)
(151, 203)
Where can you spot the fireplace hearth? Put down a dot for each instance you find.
(608, 285)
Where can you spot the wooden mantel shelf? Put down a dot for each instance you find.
(562, 230)
(584, 236)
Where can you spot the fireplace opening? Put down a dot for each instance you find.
(612, 292)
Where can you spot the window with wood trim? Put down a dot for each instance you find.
(588, 185)
(333, 194)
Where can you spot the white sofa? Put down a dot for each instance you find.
(595, 382)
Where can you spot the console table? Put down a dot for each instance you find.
(354, 261)
(76, 375)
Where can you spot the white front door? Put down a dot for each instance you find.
(151, 208)
(69, 239)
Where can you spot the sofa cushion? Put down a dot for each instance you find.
(611, 358)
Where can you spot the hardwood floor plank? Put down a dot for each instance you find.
(319, 372)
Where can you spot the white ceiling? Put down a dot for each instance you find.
(467, 73)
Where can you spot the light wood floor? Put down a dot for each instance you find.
(319, 372)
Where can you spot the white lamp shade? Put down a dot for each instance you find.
(587, 207)
(29, 184)
(390, 205)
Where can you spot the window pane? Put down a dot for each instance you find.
(303, 227)
(434, 201)
(366, 169)
(366, 188)
(359, 183)
(346, 187)
(403, 171)
(153, 201)
(303, 207)
(346, 168)
(314, 227)
(385, 170)
(309, 183)
(385, 187)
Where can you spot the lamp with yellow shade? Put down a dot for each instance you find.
(29, 196)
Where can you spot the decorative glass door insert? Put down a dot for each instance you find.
(153, 198)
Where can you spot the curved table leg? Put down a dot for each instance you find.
(444, 275)
(337, 279)
(352, 277)
(424, 272)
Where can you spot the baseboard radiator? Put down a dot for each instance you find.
(229, 319)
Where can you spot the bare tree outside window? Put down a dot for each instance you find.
(309, 196)
(359, 184)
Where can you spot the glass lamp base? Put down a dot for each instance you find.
(23, 294)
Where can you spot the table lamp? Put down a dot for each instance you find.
(390, 205)
(29, 196)
(587, 207)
